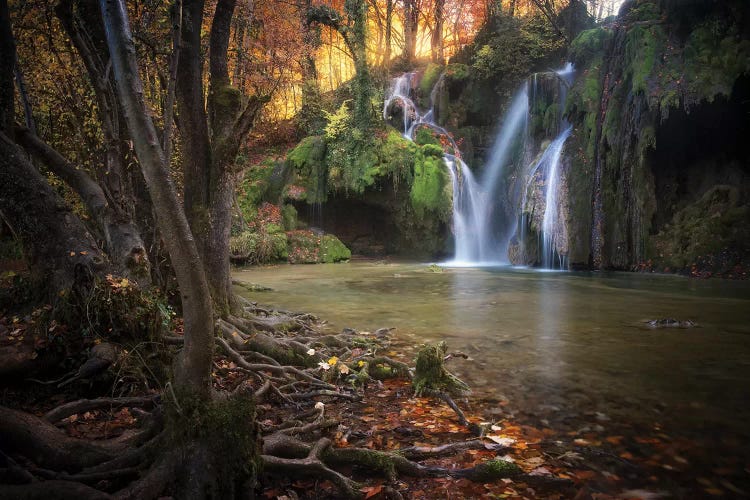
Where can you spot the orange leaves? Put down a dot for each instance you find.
(371, 491)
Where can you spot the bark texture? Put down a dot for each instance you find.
(59, 248)
(194, 372)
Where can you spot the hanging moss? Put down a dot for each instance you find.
(308, 161)
(428, 189)
(641, 48)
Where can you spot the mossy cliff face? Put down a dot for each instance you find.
(380, 195)
(659, 109)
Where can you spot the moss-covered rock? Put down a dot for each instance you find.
(715, 222)
(308, 161)
(308, 247)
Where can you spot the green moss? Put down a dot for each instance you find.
(289, 217)
(227, 428)
(425, 135)
(333, 250)
(495, 469)
(306, 247)
(457, 72)
(589, 45)
(308, 160)
(430, 77)
(644, 11)
(714, 222)
(715, 55)
(641, 48)
(259, 247)
(428, 193)
(430, 373)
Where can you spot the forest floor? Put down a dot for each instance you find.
(622, 462)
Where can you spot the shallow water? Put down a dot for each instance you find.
(550, 344)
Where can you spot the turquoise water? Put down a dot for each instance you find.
(551, 343)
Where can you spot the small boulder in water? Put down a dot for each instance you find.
(670, 323)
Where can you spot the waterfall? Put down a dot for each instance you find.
(551, 223)
(475, 224)
(485, 209)
(547, 168)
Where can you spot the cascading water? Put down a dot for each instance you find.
(478, 239)
(469, 220)
(544, 186)
(483, 227)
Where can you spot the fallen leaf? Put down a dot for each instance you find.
(503, 441)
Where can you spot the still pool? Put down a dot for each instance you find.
(563, 347)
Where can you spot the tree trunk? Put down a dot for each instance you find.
(437, 33)
(194, 371)
(196, 147)
(388, 34)
(7, 64)
(123, 241)
(411, 22)
(82, 22)
(60, 251)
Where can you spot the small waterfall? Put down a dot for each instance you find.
(547, 169)
(551, 223)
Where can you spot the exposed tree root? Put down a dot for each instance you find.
(286, 369)
(311, 465)
(84, 405)
(425, 452)
(46, 445)
(57, 489)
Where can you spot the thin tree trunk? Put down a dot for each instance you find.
(27, 112)
(411, 22)
(7, 63)
(176, 17)
(194, 372)
(388, 34)
(437, 33)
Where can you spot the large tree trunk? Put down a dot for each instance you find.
(209, 158)
(194, 373)
(60, 251)
(123, 241)
(411, 23)
(196, 146)
(82, 22)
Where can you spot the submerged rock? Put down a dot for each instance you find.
(670, 323)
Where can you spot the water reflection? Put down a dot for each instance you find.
(551, 339)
